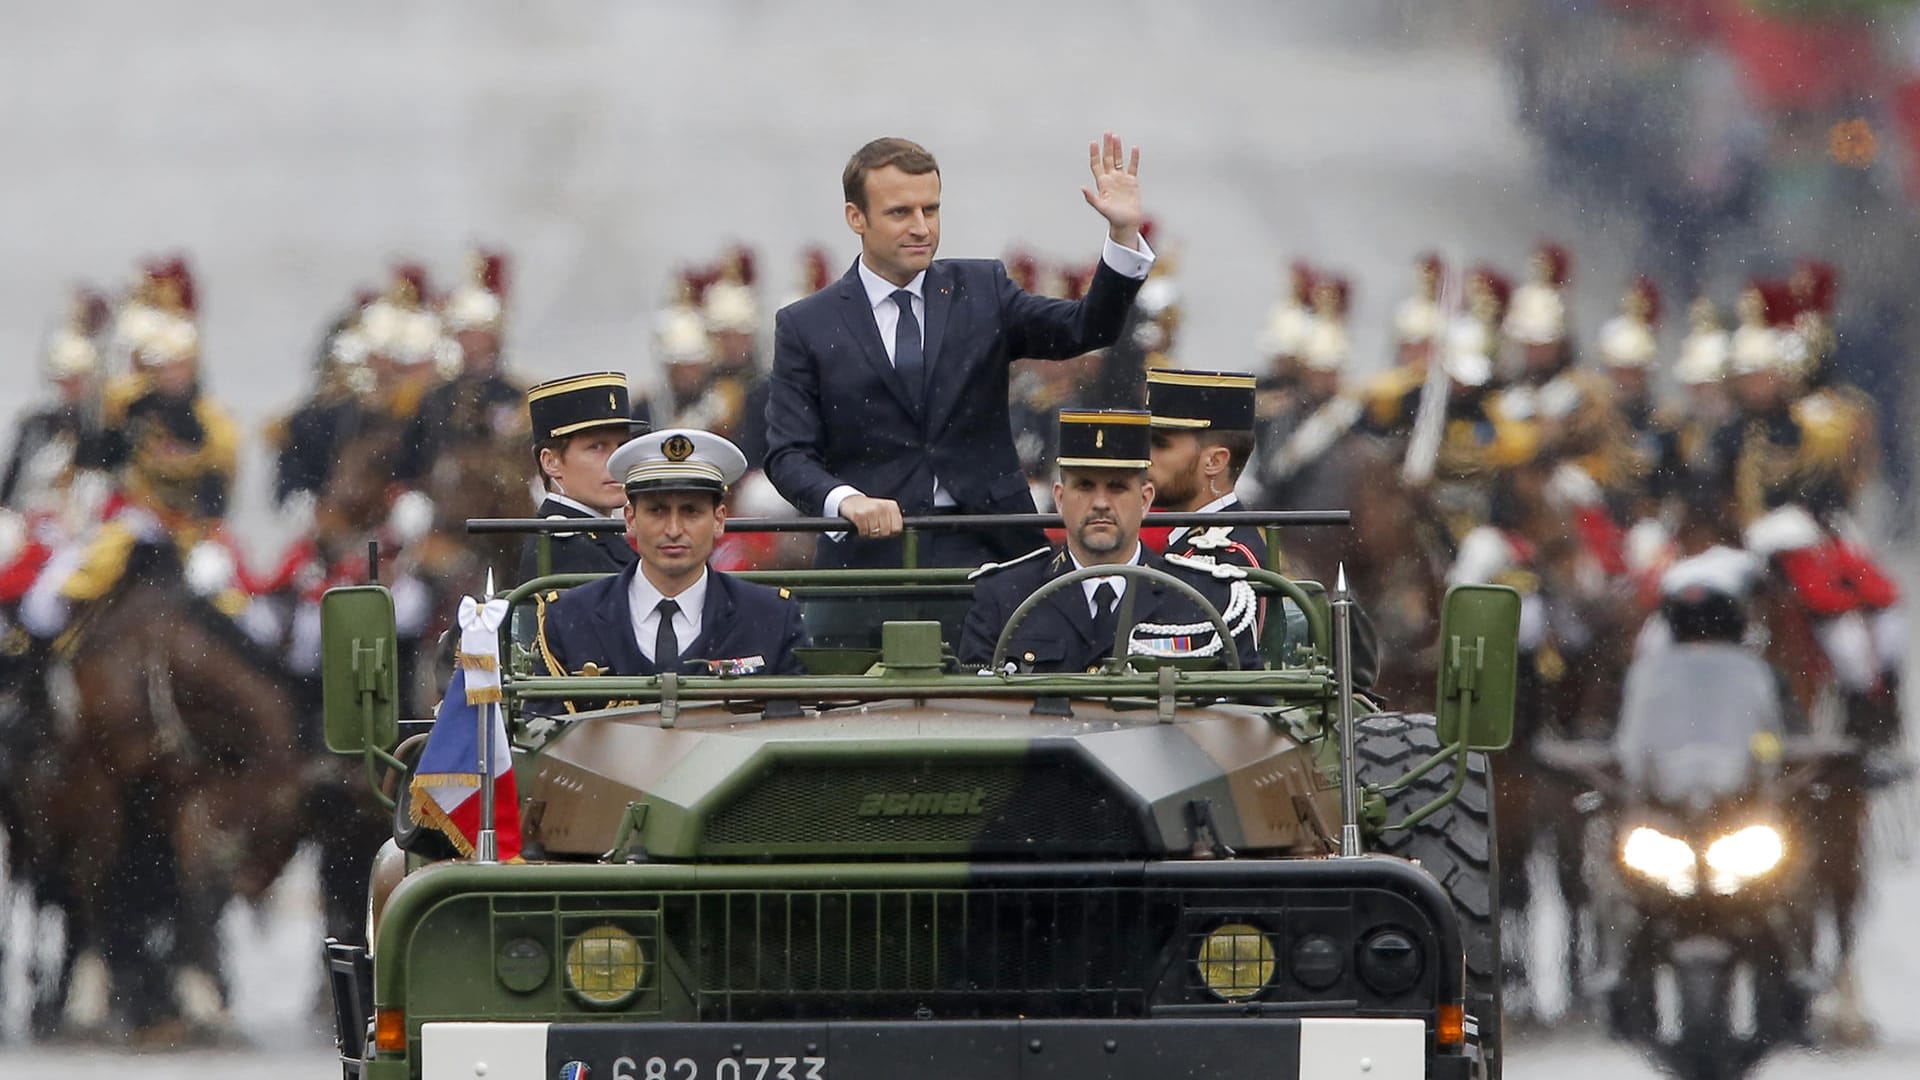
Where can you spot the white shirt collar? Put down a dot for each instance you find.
(644, 600)
(1118, 582)
(1213, 507)
(880, 290)
(566, 500)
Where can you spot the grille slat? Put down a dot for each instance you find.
(890, 952)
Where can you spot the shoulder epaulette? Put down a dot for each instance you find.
(1205, 564)
(1211, 538)
(988, 568)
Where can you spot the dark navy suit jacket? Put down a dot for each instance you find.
(593, 624)
(1059, 634)
(839, 413)
(577, 553)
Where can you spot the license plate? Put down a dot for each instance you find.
(688, 1052)
(745, 1067)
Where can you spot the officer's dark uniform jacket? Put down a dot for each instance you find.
(1241, 545)
(576, 553)
(1059, 634)
(588, 630)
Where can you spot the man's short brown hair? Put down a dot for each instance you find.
(903, 154)
(1239, 446)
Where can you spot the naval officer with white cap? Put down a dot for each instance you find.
(670, 611)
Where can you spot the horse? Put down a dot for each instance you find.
(1393, 552)
(168, 786)
(1838, 818)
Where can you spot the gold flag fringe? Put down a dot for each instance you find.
(483, 695)
(428, 812)
(477, 661)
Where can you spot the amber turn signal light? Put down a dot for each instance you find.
(1451, 1028)
(390, 1031)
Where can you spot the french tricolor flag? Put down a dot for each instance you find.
(446, 783)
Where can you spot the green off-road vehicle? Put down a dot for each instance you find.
(894, 866)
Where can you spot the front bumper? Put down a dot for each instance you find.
(1305, 1048)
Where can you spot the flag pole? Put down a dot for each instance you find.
(486, 848)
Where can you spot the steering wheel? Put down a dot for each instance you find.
(1132, 572)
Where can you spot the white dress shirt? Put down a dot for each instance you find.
(1213, 507)
(1126, 262)
(644, 601)
(1118, 582)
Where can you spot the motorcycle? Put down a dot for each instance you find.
(1708, 959)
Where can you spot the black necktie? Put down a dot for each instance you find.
(909, 358)
(666, 643)
(1106, 601)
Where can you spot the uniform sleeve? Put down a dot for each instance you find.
(985, 619)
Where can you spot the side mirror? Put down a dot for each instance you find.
(359, 669)
(1479, 663)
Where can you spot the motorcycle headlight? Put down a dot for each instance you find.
(1662, 858)
(1739, 858)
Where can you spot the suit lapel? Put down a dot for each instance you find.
(615, 624)
(857, 313)
(1071, 602)
(943, 385)
(716, 615)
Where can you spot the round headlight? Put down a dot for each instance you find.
(1317, 961)
(523, 965)
(1390, 962)
(1235, 961)
(605, 965)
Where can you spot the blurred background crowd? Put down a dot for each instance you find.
(250, 231)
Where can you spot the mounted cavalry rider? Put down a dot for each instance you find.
(1103, 493)
(670, 611)
(1202, 438)
(577, 423)
(1791, 469)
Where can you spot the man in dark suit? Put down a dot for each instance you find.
(1103, 492)
(889, 388)
(577, 424)
(669, 611)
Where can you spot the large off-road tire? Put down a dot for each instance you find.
(1455, 845)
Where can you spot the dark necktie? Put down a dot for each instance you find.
(1106, 601)
(666, 643)
(909, 359)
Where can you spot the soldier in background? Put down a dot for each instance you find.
(1791, 478)
(732, 316)
(402, 332)
(577, 423)
(57, 443)
(1392, 398)
(1280, 342)
(1289, 466)
(307, 442)
(479, 402)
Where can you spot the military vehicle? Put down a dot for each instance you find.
(897, 866)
